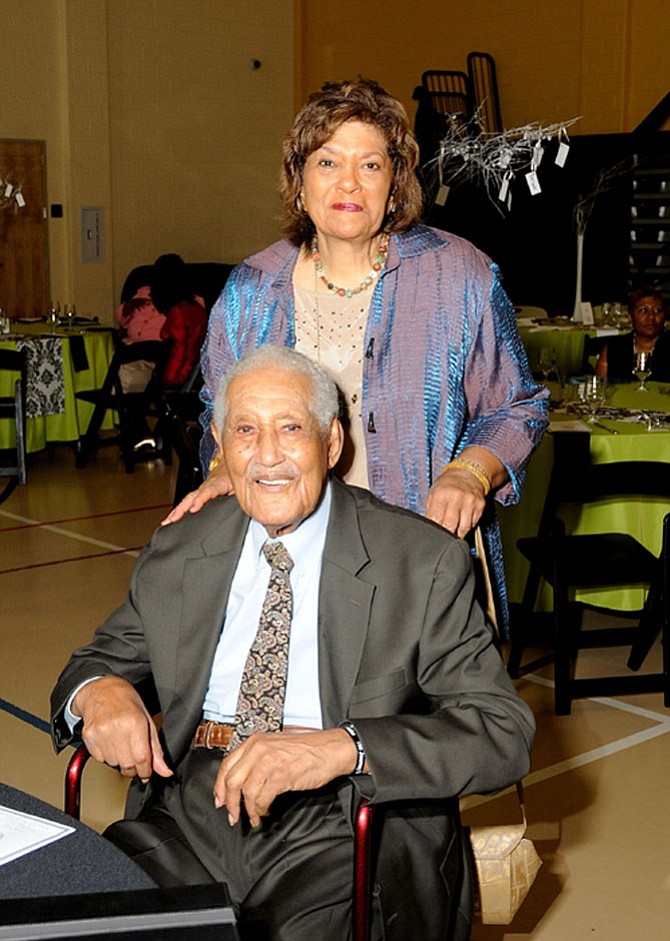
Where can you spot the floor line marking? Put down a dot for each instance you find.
(133, 553)
(24, 716)
(604, 700)
(577, 761)
(30, 523)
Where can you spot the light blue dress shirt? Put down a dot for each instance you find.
(302, 704)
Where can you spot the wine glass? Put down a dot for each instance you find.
(546, 362)
(54, 313)
(642, 369)
(593, 396)
(70, 312)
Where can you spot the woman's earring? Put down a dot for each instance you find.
(390, 206)
(300, 202)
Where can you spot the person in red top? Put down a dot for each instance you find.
(185, 319)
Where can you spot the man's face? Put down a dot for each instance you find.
(275, 453)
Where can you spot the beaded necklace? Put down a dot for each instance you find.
(367, 280)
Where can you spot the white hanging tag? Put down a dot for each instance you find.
(9, 189)
(443, 189)
(509, 201)
(562, 153)
(442, 194)
(536, 159)
(504, 188)
(533, 183)
(18, 196)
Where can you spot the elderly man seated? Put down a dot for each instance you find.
(391, 686)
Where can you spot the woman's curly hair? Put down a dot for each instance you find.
(316, 122)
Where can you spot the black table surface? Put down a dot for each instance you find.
(81, 862)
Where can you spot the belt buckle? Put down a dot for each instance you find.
(209, 728)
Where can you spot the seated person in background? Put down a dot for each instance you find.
(185, 322)
(395, 688)
(646, 310)
(138, 317)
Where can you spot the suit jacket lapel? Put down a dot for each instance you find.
(205, 590)
(344, 606)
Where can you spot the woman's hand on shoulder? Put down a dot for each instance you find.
(218, 484)
(456, 501)
(458, 496)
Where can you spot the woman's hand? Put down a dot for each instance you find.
(456, 501)
(458, 496)
(216, 485)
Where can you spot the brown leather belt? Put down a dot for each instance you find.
(218, 734)
(212, 735)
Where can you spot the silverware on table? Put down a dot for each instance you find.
(600, 424)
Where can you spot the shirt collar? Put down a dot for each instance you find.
(303, 542)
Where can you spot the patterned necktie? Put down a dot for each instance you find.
(260, 704)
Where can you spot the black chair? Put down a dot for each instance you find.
(603, 560)
(129, 406)
(13, 466)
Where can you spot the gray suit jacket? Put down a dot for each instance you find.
(404, 652)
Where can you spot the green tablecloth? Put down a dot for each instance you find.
(641, 518)
(71, 422)
(567, 341)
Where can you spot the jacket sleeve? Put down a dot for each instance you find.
(467, 730)
(507, 409)
(117, 648)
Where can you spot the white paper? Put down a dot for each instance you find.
(587, 313)
(23, 833)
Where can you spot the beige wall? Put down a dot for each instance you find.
(149, 108)
(606, 60)
(195, 132)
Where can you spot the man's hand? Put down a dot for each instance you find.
(266, 765)
(118, 730)
(216, 485)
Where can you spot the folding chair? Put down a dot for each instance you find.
(128, 405)
(602, 560)
(13, 408)
(484, 89)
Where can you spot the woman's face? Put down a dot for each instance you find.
(648, 317)
(347, 182)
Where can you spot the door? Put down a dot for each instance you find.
(24, 269)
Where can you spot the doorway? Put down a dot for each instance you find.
(24, 258)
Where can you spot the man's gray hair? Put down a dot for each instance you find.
(324, 403)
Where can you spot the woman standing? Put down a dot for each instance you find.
(412, 322)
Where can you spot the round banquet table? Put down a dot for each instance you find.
(641, 518)
(79, 863)
(61, 362)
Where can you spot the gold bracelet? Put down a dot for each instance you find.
(475, 469)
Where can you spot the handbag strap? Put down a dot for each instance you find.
(522, 803)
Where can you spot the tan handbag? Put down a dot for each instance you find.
(506, 864)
